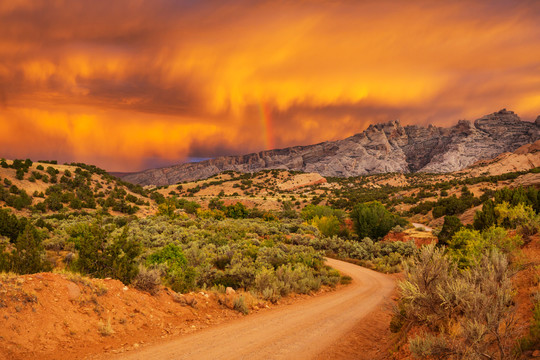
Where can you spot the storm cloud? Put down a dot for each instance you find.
(127, 84)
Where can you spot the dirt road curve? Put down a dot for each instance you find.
(298, 331)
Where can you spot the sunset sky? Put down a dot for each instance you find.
(133, 84)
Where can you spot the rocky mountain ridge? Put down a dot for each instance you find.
(381, 148)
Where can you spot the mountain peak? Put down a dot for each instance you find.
(504, 112)
(383, 147)
(383, 125)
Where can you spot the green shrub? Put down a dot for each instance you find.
(237, 211)
(178, 275)
(183, 279)
(466, 247)
(514, 216)
(311, 211)
(327, 225)
(171, 255)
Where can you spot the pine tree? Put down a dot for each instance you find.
(485, 218)
(27, 257)
(451, 225)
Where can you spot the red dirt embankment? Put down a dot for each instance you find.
(64, 316)
(56, 316)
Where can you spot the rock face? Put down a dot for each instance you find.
(525, 158)
(381, 148)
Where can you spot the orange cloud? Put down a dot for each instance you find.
(122, 84)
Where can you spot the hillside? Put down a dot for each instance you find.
(273, 189)
(382, 148)
(47, 187)
(89, 188)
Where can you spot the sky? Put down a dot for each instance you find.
(134, 84)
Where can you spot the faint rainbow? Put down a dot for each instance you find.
(266, 119)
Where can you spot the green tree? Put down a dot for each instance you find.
(27, 256)
(54, 201)
(10, 225)
(167, 208)
(288, 210)
(373, 220)
(4, 257)
(451, 225)
(189, 206)
(485, 218)
(237, 211)
(327, 225)
(216, 204)
(102, 255)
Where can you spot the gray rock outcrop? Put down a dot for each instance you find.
(381, 148)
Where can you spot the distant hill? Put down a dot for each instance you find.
(48, 188)
(381, 148)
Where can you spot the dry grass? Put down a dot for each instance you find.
(105, 328)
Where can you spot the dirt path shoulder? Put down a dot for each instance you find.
(302, 330)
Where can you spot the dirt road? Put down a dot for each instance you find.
(299, 331)
(425, 227)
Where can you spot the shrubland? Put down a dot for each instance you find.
(185, 254)
(458, 295)
(187, 248)
(67, 187)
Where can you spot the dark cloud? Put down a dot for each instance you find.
(131, 84)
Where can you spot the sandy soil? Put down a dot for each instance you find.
(300, 331)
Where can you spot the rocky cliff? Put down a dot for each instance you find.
(387, 147)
